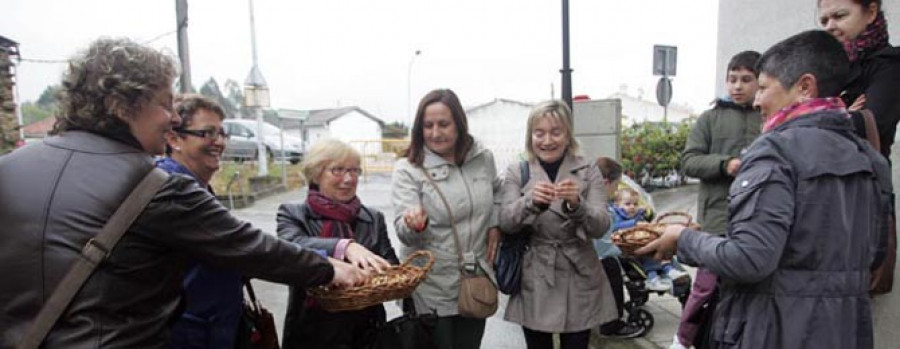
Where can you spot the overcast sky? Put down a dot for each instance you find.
(323, 54)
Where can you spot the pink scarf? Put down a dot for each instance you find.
(873, 38)
(803, 108)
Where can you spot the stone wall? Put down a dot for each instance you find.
(9, 127)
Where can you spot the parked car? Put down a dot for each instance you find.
(242, 142)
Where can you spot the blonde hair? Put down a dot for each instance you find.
(324, 153)
(631, 192)
(559, 111)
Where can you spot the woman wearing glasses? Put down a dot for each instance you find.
(333, 220)
(212, 296)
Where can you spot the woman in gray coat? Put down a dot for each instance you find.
(807, 214)
(464, 172)
(564, 286)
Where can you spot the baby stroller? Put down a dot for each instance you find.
(635, 278)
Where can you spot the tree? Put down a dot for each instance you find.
(653, 148)
(234, 93)
(48, 98)
(211, 89)
(33, 112)
(395, 130)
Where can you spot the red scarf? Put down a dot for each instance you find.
(340, 216)
(803, 108)
(873, 38)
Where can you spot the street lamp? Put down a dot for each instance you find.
(409, 87)
(256, 97)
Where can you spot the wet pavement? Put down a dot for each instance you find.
(374, 192)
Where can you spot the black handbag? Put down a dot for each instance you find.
(409, 331)
(508, 267)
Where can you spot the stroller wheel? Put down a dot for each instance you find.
(641, 318)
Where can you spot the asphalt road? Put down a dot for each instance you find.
(375, 192)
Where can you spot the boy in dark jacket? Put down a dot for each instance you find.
(712, 154)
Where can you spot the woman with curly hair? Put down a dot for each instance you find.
(116, 110)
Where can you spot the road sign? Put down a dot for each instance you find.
(665, 60)
(664, 91)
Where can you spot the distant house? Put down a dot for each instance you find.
(500, 125)
(639, 109)
(39, 129)
(349, 124)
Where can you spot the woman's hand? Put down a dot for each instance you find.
(543, 193)
(364, 259)
(666, 246)
(346, 275)
(858, 104)
(493, 243)
(568, 190)
(416, 219)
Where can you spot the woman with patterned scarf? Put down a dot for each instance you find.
(875, 65)
(794, 266)
(333, 220)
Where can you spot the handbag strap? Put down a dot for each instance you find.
(459, 253)
(871, 129)
(252, 295)
(95, 251)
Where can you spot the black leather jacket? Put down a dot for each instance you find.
(306, 327)
(56, 195)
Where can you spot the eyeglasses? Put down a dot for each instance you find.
(210, 134)
(341, 171)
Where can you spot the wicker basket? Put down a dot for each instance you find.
(631, 239)
(396, 282)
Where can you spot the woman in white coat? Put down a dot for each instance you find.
(464, 172)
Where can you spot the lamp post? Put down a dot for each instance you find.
(256, 97)
(409, 87)
(566, 70)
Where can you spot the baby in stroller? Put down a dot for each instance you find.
(660, 276)
(625, 272)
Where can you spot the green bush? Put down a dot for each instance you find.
(653, 148)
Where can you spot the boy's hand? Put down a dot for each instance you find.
(733, 166)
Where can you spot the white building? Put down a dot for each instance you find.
(759, 24)
(500, 125)
(349, 124)
(638, 109)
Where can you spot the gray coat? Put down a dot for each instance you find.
(564, 286)
(719, 135)
(470, 190)
(805, 225)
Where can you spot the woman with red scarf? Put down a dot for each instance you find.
(875, 65)
(334, 221)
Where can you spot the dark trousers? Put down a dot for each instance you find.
(457, 332)
(614, 274)
(544, 340)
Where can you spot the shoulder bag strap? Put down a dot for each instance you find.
(94, 252)
(459, 252)
(524, 172)
(871, 129)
